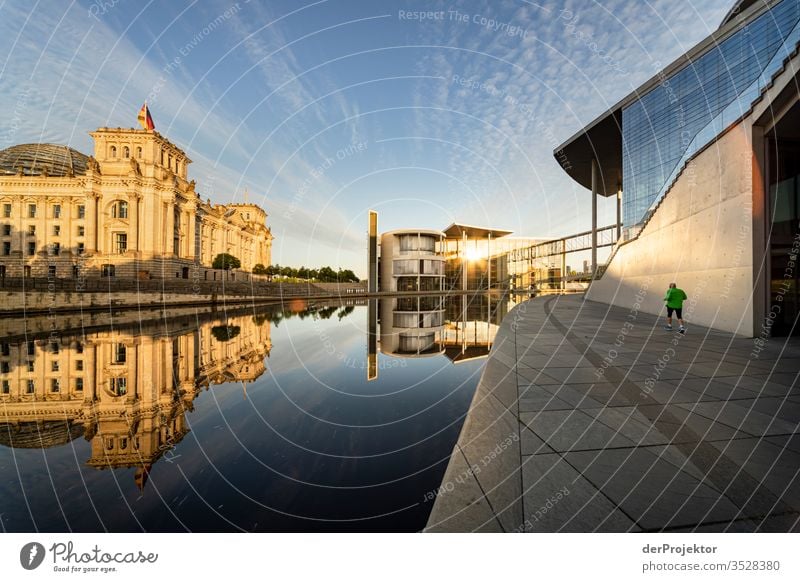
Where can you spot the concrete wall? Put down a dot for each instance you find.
(43, 301)
(699, 237)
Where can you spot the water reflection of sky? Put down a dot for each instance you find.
(309, 444)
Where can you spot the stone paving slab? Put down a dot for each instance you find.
(645, 430)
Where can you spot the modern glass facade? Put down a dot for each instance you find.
(689, 109)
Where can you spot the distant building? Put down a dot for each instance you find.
(410, 260)
(459, 257)
(704, 159)
(127, 211)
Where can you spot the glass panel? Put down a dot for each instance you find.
(691, 107)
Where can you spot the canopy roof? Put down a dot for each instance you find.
(457, 230)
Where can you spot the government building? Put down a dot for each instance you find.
(704, 160)
(128, 211)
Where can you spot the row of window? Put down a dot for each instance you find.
(106, 270)
(117, 386)
(30, 386)
(118, 210)
(126, 152)
(5, 348)
(166, 159)
(418, 266)
(33, 209)
(123, 443)
(54, 249)
(55, 366)
(56, 230)
(417, 243)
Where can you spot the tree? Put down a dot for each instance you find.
(260, 269)
(348, 276)
(327, 275)
(226, 261)
(224, 333)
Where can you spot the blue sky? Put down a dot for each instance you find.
(325, 109)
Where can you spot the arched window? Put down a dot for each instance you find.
(119, 209)
(126, 152)
(139, 153)
(118, 386)
(113, 151)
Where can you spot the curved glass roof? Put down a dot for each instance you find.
(36, 159)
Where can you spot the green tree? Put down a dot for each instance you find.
(327, 275)
(348, 276)
(224, 333)
(260, 269)
(226, 261)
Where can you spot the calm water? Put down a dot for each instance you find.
(310, 417)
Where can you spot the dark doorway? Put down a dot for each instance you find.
(783, 178)
(185, 272)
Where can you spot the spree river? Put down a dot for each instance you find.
(309, 416)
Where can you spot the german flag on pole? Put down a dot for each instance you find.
(145, 120)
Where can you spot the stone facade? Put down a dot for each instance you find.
(127, 211)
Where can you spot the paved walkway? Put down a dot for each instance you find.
(594, 418)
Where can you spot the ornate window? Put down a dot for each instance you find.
(126, 152)
(120, 354)
(113, 151)
(119, 209)
(120, 243)
(118, 386)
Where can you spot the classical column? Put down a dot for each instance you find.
(133, 373)
(133, 202)
(91, 220)
(595, 184)
(89, 364)
(169, 248)
(192, 233)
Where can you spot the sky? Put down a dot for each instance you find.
(429, 112)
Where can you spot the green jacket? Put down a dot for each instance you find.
(675, 298)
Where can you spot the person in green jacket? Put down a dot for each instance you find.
(675, 298)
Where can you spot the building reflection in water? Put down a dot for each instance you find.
(124, 391)
(127, 390)
(460, 327)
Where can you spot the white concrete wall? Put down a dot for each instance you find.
(699, 237)
(387, 254)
